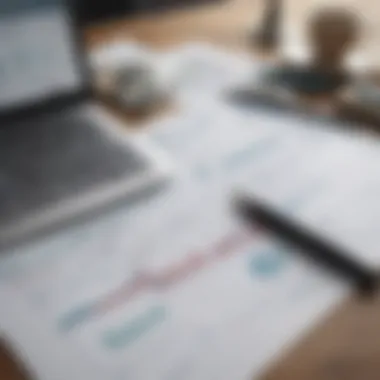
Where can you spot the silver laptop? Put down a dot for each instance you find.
(61, 156)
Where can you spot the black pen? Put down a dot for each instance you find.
(322, 252)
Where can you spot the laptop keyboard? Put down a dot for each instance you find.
(45, 161)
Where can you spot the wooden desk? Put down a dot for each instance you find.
(345, 346)
(225, 24)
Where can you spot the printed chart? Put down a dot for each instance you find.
(178, 288)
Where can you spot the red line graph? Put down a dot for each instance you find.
(160, 280)
(174, 274)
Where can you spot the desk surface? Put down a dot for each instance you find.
(345, 346)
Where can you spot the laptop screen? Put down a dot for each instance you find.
(37, 58)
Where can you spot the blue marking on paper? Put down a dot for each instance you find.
(202, 173)
(250, 152)
(267, 263)
(309, 193)
(123, 336)
(76, 317)
(237, 159)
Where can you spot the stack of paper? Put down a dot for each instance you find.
(176, 288)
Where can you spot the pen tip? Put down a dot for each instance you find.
(244, 205)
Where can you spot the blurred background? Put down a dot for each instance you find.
(232, 22)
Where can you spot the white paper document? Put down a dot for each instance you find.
(335, 189)
(177, 288)
(179, 291)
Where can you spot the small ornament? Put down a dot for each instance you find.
(332, 32)
(136, 88)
